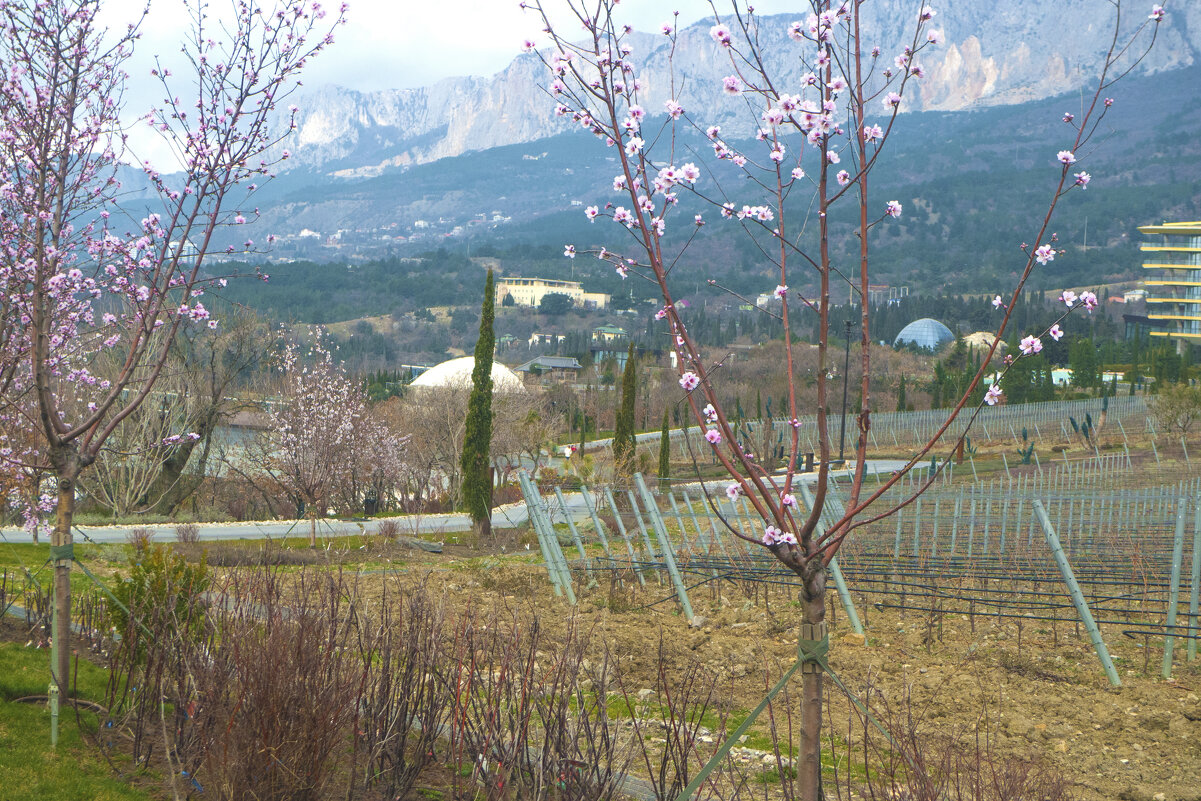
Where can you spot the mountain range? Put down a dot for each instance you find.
(474, 161)
(995, 54)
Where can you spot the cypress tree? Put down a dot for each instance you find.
(623, 428)
(664, 454)
(476, 489)
(901, 395)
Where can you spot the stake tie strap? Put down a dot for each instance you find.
(62, 553)
(813, 647)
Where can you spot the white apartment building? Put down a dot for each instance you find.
(531, 291)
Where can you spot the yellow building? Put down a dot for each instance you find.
(531, 291)
(1174, 251)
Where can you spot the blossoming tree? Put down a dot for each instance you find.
(323, 442)
(815, 144)
(80, 276)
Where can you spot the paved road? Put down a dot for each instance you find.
(504, 517)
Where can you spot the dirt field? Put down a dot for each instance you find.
(1046, 697)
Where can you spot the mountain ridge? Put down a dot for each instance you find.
(995, 54)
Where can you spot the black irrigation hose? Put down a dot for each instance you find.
(43, 699)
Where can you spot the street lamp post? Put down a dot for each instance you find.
(846, 376)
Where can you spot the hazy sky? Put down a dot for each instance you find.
(404, 43)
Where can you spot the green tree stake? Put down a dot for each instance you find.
(664, 456)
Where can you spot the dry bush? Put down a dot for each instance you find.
(388, 530)
(673, 714)
(405, 701)
(271, 696)
(918, 761)
(140, 537)
(187, 533)
(265, 555)
(525, 723)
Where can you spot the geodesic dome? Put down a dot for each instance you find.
(925, 333)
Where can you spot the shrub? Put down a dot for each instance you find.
(140, 538)
(187, 533)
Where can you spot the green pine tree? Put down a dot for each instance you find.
(901, 395)
(664, 454)
(623, 428)
(476, 487)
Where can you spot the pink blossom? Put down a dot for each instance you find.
(1068, 297)
(798, 173)
(1044, 254)
(780, 291)
(843, 177)
(788, 499)
(934, 37)
(1068, 116)
(1066, 157)
(666, 28)
(927, 14)
(713, 436)
(993, 395)
(721, 35)
(1157, 12)
(1056, 333)
(591, 212)
(771, 536)
(1030, 345)
(1089, 299)
(710, 413)
(733, 491)
(998, 303)
(689, 381)
(893, 208)
(569, 251)
(1082, 179)
(892, 100)
(731, 85)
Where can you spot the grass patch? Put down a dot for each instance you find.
(29, 767)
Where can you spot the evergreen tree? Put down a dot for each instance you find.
(664, 454)
(623, 428)
(1083, 358)
(901, 395)
(476, 487)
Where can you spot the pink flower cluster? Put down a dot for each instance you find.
(773, 536)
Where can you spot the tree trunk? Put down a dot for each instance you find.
(61, 629)
(809, 767)
(312, 529)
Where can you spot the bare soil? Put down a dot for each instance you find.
(1045, 697)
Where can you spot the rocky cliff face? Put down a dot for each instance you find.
(995, 53)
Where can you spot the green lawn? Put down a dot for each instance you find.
(29, 767)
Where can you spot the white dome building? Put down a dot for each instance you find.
(456, 374)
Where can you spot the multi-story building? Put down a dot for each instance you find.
(531, 291)
(1174, 251)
